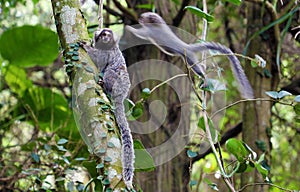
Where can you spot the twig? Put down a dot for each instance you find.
(246, 100)
(168, 80)
(100, 14)
(208, 133)
(270, 184)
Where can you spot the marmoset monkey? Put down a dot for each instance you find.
(110, 61)
(155, 29)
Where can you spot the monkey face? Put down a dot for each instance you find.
(151, 18)
(105, 36)
(104, 39)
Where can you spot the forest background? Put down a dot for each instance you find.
(41, 148)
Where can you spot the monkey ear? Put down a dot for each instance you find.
(96, 36)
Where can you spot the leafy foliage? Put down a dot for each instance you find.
(36, 46)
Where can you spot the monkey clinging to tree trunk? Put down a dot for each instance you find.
(110, 61)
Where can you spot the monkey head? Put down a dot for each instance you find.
(104, 39)
(151, 18)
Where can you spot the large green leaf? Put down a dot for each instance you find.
(29, 46)
(50, 108)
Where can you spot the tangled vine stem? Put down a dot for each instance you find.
(209, 136)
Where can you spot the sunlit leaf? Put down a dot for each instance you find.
(61, 148)
(237, 148)
(35, 46)
(272, 94)
(282, 94)
(62, 141)
(297, 98)
(263, 171)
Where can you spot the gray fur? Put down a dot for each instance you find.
(155, 29)
(110, 61)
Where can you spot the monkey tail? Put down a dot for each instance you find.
(244, 85)
(127, 142)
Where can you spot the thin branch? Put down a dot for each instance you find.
(270, 184)
(245, 100)
(166, 81)
(124, 10)
(100, 14)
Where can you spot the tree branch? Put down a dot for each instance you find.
(181, 12)
(227, 135)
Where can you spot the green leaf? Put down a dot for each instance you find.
(263, 171)
(236, 2)
(80, 159)
(237, 148)
(191, 154)
(35, 157)
(272, 94)
(212, 185)
(200, 13)
(143, 160)
(297, 98)
(61, 148)
(213, 130)
(62, 141)
(242, 168)
(254, 64)
(137, 112)
(50, 108)
(28, 46)
(193, 183)
(261, 145)
(17, 80)
(145, 6)
(297, 109)
(267, 73)
(66, 160)
(282, 94)
(91, 167)
(100, 166)
(146, 93)
(128, 104)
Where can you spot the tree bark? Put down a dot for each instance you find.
(172, 175)
(256, 115)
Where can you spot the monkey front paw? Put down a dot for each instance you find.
(82, 43)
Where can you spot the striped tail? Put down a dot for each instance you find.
(127, 142)
(244, 85)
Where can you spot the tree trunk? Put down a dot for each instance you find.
(256, 115)
(168, 108)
